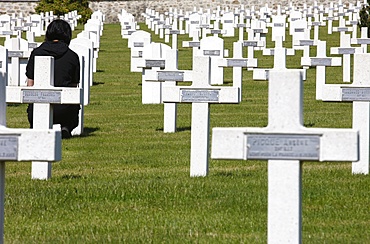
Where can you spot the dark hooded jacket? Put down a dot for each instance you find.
(66, 66)
(66, 74)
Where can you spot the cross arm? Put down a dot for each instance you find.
(324, 61)
(48, 146)
(61, 95)
(168, 75)
(333, 145)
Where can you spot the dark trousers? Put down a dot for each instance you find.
(64, 114)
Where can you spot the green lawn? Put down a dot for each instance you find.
(125, 181)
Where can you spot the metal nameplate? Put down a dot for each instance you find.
(229, 21)
(32, 45)
(346, 50)
(258, 30)
(8, 147)
(250, 43)
(170, 76)
(248, 17)
(241, 25)
(41, 96)
(216, 31)
(299, 30)
(306, 42)
(126, 23)
(1, 64)
(194, 22)
(194, 44)
(200, 95)
(309, 15)
(138, 44)
(7, 32)
(140, 54)
(321, 62)
(353, 22)
(294, 19)
(161, 22)
(342, 29)
(356, 94)
(211, 52)
(237, 63)
(279, 24)
(280, 147)
(131, 31)
(15, 54)
(174, 32)
(363, 41)
(330, 18)
(167, 26)
(155, 63)
(204, 26)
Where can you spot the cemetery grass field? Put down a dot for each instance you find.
(125, 181)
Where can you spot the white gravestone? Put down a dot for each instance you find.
(200, 94)
(213, 47)
(285, 143)
(43, 94)
(359, 94)
(227, 21)
(321, 61)
(363, 40)
(346, 50)
(136, 42)
(22, 145)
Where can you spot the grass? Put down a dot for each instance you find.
(125, 181)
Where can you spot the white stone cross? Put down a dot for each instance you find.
(251, 44)
(43, 94)
(285, 143)
(363, 40)
(321, 61)
(346, 50)
(200, 94)
(359, 94)
(22, 145)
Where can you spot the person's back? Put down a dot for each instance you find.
(66, 72)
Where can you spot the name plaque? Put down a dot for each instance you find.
(330, 18)
(194, 44)
(32, 45)
(204, 26)
(174, 32)
(8, 147)
(306, 42)
(194, 22)
(211, 52)
(346, 50)
(250, 43)
(199, 95)
(342, 29)
(356, 94)
(299, 30)
(167, 26)
(241, 25)
(7, 32)
(279, 25)
(15, 54)
(215, 31)
(170, 76)
(294, 19)
(17, 28)
(138, 44)
(258, 30)
(154, 63)
(321, 62)
(229, 21)
(237, 63)
(290, 147)
(363, 41)
(41, 96)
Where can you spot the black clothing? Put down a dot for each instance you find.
(66, 74)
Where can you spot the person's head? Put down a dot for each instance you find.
(59, 30)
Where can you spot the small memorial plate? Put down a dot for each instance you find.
(250, 43)
(342, 28)
(211, 52)
(241, 25)
(170, 76)
(283, 147)
(15, 54)
(41, 96)
(188, 95)
(236, 62)
(138, 44)
(229, 21)
(298, 30)
(363, 41)
(194, 22)
(306, 42)
(346, 50)
(174, 32)
(215, 31)
(154, 63)
(356, 93)
(8, 147)
(279, 25)
(320, 61)
(194, 44)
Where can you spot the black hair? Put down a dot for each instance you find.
(59, 30)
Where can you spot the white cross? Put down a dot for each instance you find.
(359, 94)
(285, 142)
(321, 61)
(43, 94)
(201, 94)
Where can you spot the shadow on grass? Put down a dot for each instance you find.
(98, 83)
(180, 129)
(88, 131)
(99, 71)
